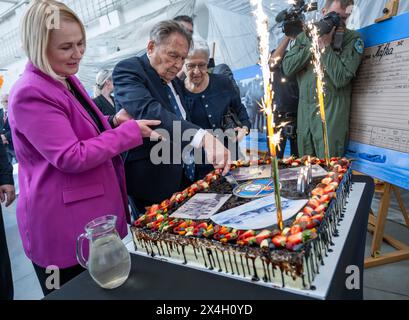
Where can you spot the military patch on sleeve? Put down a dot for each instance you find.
(359, 46)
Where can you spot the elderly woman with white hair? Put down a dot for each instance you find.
(212, 100)
(104, 87)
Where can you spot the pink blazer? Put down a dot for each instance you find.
(69, 172)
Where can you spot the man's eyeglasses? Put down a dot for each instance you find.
(192, 66)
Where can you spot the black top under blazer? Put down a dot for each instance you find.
(105, 106)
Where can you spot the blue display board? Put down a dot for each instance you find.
(380, 110)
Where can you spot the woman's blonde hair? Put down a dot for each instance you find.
(101, 79)
(40, 19)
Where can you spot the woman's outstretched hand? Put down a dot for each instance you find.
(147, 131)
(144, 125)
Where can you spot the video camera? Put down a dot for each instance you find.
(327, 23)
(293, 18)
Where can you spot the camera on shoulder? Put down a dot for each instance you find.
(327, 23)
(292, 19)
(292, 22)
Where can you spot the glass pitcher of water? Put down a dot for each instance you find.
(109, 262)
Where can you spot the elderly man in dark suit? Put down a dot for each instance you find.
(5, 131)
(3, 101)
(7, 193)
(147, 88)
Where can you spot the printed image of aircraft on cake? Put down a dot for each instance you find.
(243, 217)
(258, 214)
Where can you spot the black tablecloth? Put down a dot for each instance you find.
(157, 280)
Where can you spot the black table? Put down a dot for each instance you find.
(151, 279)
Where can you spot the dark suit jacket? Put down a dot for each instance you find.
(6, 280)
(141, 92)
(6, 169)
(225, 70)
(1, 119)
(7, 132)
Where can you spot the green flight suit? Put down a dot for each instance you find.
(339, 70)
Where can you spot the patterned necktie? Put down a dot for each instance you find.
(173, 102)
(188, 162)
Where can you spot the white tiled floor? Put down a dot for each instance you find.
(385, 282)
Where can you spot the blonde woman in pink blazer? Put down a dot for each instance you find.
(70, 171)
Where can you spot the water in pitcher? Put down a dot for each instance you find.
(109, 263)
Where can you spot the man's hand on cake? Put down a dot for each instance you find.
(216, 153)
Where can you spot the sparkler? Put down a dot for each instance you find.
(267, 102)
(320, 87)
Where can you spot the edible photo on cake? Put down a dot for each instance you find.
(258, 214)
(201, 206)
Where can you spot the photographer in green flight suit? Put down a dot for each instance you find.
(342, 52)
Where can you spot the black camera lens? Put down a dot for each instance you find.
(328, 22)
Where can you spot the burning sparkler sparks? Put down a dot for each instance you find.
(274, 133)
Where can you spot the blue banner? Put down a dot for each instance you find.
(391, 162)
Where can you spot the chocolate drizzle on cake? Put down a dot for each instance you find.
(218, 261)
(211, 259)
(231, 264)
(167, 247)
(204, 258)
(224, 260)
(297, 267)
(265, 277)
(255, 275)
(235, 263)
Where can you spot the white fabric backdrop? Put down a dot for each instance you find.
(228, 23)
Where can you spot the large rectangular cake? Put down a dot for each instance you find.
(288, 258)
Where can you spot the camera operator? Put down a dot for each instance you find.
(340, 64)
(285, 99)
